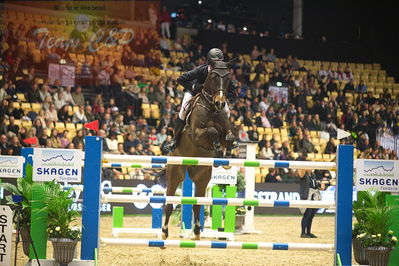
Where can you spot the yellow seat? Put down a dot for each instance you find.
(16, 105)
(26, 107)
(60, 126)
(120, 139)
(21, 97)
(36, 107)
(145, 106)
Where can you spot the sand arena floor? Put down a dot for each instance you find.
(274, 228)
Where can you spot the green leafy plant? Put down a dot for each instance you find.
(22, 188)
(374, 220)
(62, 220)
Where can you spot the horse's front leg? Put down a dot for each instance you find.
(213, 136)
(201, 181)
(173, 177)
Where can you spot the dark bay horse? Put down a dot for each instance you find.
(206, 133)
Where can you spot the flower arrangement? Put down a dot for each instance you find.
(386, 240)
(62, 220)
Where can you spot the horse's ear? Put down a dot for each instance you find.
(232, 62)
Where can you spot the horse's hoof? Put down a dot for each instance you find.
(165, 233)
(162, 247)
(196, 237)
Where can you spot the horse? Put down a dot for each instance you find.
(206, 133)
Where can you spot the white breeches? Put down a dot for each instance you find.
(184, 110)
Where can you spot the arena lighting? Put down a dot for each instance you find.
(209, 20)
(279, 84)
(199, 2)
(62, 61)
(245, 28)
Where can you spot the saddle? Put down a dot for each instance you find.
(190, 106)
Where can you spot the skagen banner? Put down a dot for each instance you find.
(224, 175)
(382, 175)
(59, 164)
(11, 166)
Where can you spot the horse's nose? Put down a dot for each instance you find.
(219, 105)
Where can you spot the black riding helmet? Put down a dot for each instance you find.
(215, 54)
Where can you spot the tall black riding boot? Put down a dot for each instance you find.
(171, 146)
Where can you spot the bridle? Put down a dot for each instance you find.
(209, 98)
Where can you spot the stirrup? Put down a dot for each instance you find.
(171, 146)
(234, 145)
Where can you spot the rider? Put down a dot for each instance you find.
(193, 81)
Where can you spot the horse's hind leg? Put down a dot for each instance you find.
(201, 178)
(174, 177)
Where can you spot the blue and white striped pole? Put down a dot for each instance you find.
(343, 199)
(91, 197)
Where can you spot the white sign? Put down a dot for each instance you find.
(11, 166)
(59, 164)
(5, 235)
(381, 175)
(222, 175)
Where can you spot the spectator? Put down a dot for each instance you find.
(79, 116)
(331, 148)
(12, 127)
(271, 57)
(59, 100)
(361, 87)
(68, 98)
(255, 53)
(266, 152)
(51, 114)
(54, 139)
(242, 134)
(273, 176)
(165, 22)
(78, 97)
(3, 144)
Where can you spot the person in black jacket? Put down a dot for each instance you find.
(193, 81)
(308, 190)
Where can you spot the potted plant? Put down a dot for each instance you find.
(376, 222)
(365, 200)
(23, 189)
(240, 210)
(62, 230)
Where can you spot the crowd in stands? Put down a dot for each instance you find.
(128, 77)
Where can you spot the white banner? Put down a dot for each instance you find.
(59, 164)
(5, 234)
(222, 175)
(11, 166)
(65, 73)
(381, 175)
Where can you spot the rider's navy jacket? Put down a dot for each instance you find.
(198, 76)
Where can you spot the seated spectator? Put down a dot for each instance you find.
(3, 144)
(255, 53)
(15, 146)
(78, 97)
(64, 140)
(79, 116)
(51, 114)
(112, 142)
(361, 87)
(347, 75)
(33, 94)
(44, 92)
(253, 134)
(54, 139)
(266, 152)
(271, 57)
(63, 114)
(78, 138)
(168, 139)
(349, 87)
(59, 100)
(242, 134)
(331, 148)
(12, 127)
(68, 95)
(277, 121)
(273, 176)
(89, 113)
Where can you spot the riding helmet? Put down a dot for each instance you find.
(215, 54)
